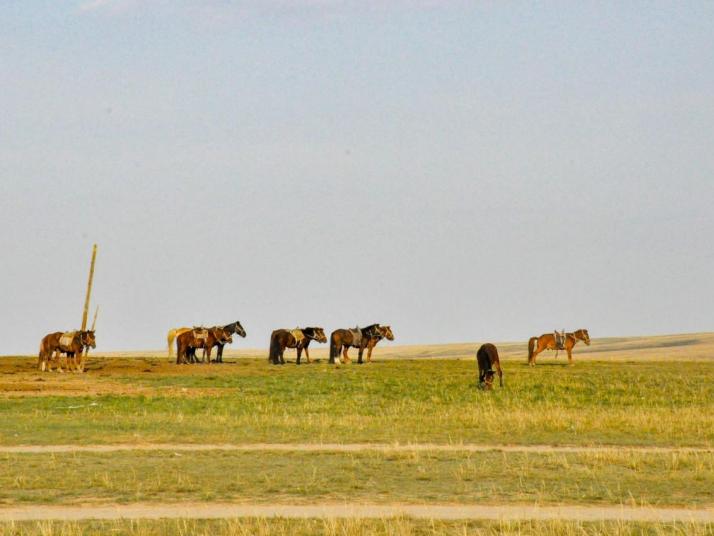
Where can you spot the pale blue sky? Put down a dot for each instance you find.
(463, 171)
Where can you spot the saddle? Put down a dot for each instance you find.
(200, 333)
(356, 336)
(559, 339)
(297, 334)
(67, 338)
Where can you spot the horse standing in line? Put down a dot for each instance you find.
(487, 358)
(547, 341)
(296, 338)
(234, 328)
(341, 340)
(71, 343)
(171, 337)
(188, 342)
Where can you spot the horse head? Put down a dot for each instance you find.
(487, 383)
(584, 336)
(87, 339)
(315, 333)
(386, 332)
(222, 336)
(238, 329)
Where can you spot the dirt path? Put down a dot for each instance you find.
(424, 511)
(339, 447)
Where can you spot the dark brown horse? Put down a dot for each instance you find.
(298, 338)
(547, 342)
(188, 342)
(71, 343)
(233, 328)
(342, 340)
(488, 366)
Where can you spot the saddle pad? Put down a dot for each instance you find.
(298, 334)
(201, 334)
(356, 336)
(67, 338)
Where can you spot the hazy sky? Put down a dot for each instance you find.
(463, 171)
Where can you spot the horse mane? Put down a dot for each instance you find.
(371, 326)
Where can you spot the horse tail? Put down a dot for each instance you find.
(170, 339)
(274, 354)
(334, 349)
(531, 347)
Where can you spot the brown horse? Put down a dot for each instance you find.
(231, 329)
(341, 340)
(298, 338)
(188, 342)
(547, 342)
(171, 337)
(71, 343)
(487, 357)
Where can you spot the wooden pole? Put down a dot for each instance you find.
(94, 325)
(94, 322)
(89, 288)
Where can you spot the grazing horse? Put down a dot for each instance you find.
(547, 342)
(342, 340)
(207, 338)
(71, 343)
(298, 338)
(487, 357)
(234, 328)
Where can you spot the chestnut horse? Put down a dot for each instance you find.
(171, 337)
(296, 338)
(342, 340)
(71, 343)
(206, 338)
(233, 328)
(487, 357)
(547, 342)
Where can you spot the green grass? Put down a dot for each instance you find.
(608, 477)
(626, 403)
(350, 527)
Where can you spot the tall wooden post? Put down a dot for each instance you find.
(94, 322)
(89, 288)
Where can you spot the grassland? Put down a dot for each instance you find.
(602, 478)
(147, 400)
(350, 527)
(629, 392)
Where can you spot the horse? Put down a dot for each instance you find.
(71, 343)
(206, 338)
(487, 358)
(234, 328)
(173, 333)
(342, 340)
(298, 338)
(547, 342)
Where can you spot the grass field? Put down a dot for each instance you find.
(621, 393)
(358, 527)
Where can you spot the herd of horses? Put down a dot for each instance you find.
(73, 346)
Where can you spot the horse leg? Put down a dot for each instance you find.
(307, 356)
(345, 357)
(570, 354)
(370, 347)
(219, 354)
(533, 357)
(299, 353)
(500, 374)
(282, 358)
